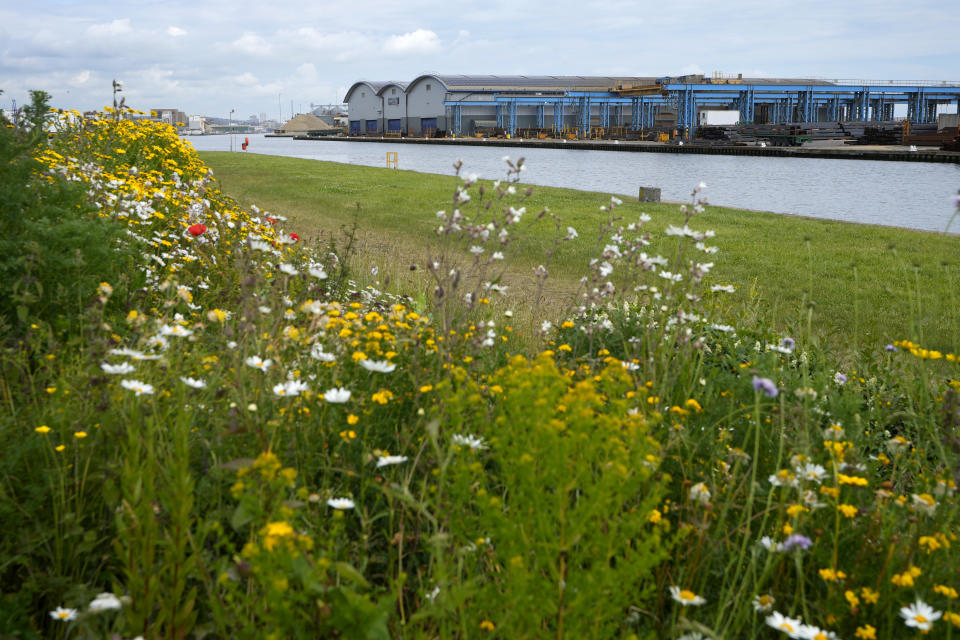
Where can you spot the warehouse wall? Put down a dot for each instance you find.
(363, 105)
(425, 103)
(394, 108)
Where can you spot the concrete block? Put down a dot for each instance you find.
(649, 194)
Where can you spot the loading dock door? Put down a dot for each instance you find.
(371, 126)
(355, 129)
(428, 125)
(393, 125)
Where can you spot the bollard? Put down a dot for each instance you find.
(649, 194)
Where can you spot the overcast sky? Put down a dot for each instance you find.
(208, 57)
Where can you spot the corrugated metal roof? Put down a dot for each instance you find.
(376, 85)
(402, 85)
(520, 83)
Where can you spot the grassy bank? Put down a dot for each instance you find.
(869, 284)
(227, 437)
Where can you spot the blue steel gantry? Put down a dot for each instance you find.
(777, 103)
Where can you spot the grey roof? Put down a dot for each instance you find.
(376, 85)
(402, 85)
(520, 83)
(591, 83)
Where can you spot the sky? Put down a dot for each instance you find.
(211, 57)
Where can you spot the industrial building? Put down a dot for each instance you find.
(583, 106)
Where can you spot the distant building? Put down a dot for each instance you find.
(170, 116)
(196, 125)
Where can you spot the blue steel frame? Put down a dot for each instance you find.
(782, 103)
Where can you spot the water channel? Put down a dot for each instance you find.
(914, 195)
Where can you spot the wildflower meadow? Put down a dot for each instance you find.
(216, 429)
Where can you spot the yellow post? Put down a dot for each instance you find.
(392, 159)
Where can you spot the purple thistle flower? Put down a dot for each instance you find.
(839, 378)
(956, 200)
(797, 540)
(890, 348)
(788, 343)
(766, 385)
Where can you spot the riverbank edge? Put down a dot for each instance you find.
(937, 156)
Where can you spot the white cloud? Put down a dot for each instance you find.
(252, 44)
(81, 78)
(419, 41)
(307, 71)
(110, 29)
(246, 79)
(690, 69)
(176, 32)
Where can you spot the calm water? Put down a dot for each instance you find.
(916, 195)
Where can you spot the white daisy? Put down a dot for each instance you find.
(474, 442)
(920, 615)
(780, 622)
(337, 395)
(290, 388)
(63, 614)
(193, 382)
(700, 493)
(258, 363)
(139, 388)
(104, 602)
(122, 368)
(340, 503)
(686, 597)
(384, 461)
(175, 330)
(380, 366)
(317, 353)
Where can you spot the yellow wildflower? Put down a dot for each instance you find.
(866, 632)
(944, 590)
(848, 510)
(854, 480)
(832, 575)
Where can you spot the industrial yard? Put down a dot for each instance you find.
(719, 111)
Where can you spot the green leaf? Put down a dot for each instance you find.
(350, 573)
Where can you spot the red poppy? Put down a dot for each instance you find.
(271, 221)
(197, 229)
(294, 237)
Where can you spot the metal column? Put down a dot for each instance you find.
(805, 105)
(745, 105)
(558, 116)
(635, 115)
(915, 106)
(500, 115)
(686, 112)
(583, 117)
(539, 116)
(457, 122)
(513, 118)
(834, 109)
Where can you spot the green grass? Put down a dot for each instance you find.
(869, 285)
